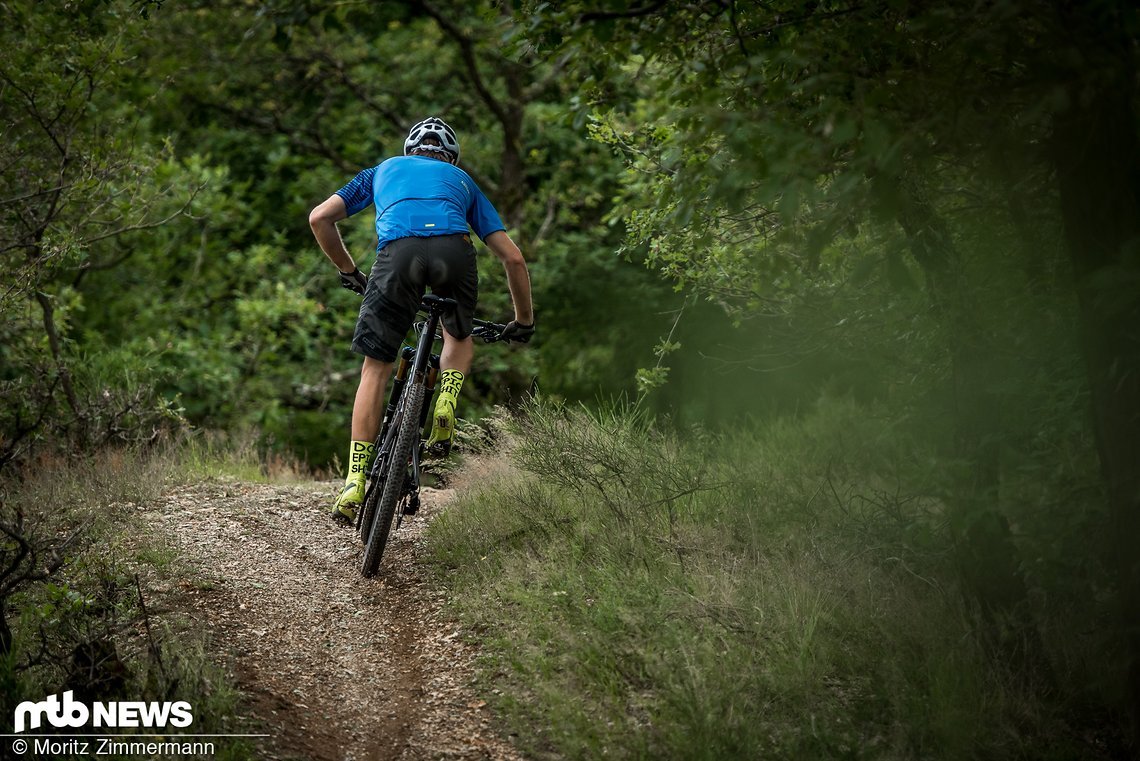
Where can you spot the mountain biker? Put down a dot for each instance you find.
(424, 206)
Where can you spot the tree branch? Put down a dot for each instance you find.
(736, 28)
(644, 10)
(15, 533)
(142, 225)
(35, 193)
(12, 441)
(361, 94)
(467, 51)
(57, 352)
(547, 221)
(795, 20)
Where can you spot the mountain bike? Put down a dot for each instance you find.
(394, 479)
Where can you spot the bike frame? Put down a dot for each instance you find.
(417, 373)
(389, 502)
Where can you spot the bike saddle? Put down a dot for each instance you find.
(439, 302)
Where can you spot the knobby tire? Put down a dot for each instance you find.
(372, 494)
(368, 508)
(407, 436)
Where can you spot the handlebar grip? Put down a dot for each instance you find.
(488, 331)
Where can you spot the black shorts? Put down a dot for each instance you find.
(403, 270)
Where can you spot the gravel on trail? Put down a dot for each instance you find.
(332, 665)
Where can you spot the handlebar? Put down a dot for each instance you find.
(490, 332)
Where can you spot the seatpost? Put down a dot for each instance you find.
(423, 346)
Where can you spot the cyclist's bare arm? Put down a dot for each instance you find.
(518, 279)
(323, 220)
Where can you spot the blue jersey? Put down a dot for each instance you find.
(417, 196)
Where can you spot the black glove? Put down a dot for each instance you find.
(516, 331)
(354, 281)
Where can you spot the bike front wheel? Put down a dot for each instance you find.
(395, 479)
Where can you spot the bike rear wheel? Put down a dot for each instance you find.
(395, 479)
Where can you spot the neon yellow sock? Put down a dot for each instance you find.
(450, 383)
(443, 421)
(360, 456)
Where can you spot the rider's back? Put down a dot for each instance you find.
(417, 196)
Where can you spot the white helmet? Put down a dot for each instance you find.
(432, 127)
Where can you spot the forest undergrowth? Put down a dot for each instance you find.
(89, 593)
(788, 592)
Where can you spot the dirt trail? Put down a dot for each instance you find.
(334, 666)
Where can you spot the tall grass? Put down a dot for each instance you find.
(787, 593)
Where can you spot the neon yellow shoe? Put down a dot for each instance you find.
(442, 428)
(348, 502)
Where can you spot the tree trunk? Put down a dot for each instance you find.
(987, 558)
(512, 177)
(1096, 153)
(5, 630)
(57, 354)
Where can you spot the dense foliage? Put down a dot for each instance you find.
(162, 166)
(731, 210)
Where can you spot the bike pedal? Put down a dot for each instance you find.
(344, 519)
(413, 506)
(439, 450)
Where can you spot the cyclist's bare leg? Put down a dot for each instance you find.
(366, 414)
(457, 353)
(368, 408)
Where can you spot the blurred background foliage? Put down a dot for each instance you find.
(731, 210)
(162, 166)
